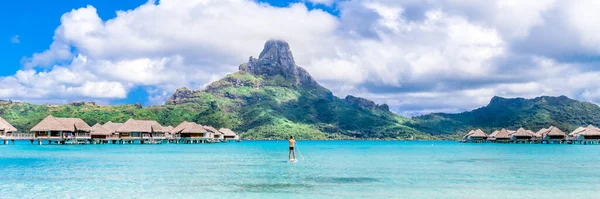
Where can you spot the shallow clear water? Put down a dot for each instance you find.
(328, 169)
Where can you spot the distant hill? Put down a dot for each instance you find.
(534, 114)
(270, 97)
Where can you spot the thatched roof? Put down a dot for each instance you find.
(227, 132)
(577, 131)
(189, 127)
(51, 123)
(503, 133)
(113, 127)
(98, 129)
(477, 133)
(521, 132)
(168, 129)
(493, 134)
(468, 134)
(180, 127)
(6, 126)
(213, 130)
(590, 130)
(142, 126)
(555, 131)
(541, 132)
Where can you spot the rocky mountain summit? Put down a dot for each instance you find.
(275, 67)
(365, 103)
(276, 59)
(270, 96)
(182, 96)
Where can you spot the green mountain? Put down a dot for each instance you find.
(270, 97)
(534, 114)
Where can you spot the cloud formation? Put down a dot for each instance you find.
(15, 39)
(418, 56)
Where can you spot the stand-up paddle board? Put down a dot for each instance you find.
(293, 160)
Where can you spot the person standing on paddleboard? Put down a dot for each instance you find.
(292, 152)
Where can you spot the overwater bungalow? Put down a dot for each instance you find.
(521, 136)
(587, 135)
(573, 134)
(6, 130)
(538, 136)
(192, 133)
(62, 130)
(475, 136)
(112, 126)
(503, 136)
(217, 135)
(142, 131)
(102, 135)
(492, 136)
(465, 137)
(554, 135)
(168, 133)
(229, 135)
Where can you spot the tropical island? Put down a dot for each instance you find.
(270, 97)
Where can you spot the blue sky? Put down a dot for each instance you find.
(33, 23)
(418, 56)
(30, 24)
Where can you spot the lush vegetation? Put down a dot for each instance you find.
(258, 107)
(274, 108)
(534, 114)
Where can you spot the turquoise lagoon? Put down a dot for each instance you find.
(327, 169)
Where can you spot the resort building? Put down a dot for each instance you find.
(113, 127)
(503, 136)
(229, 135)
(168, 132)
(492, 136)
(475, 136)
(521, 136)
(554, 135)
(539, 135)
(62, 130)
(6, 130)
(142, 131)
(217, 135)
(192, 133)
(103, 135)
(576, 132)
(587, 135)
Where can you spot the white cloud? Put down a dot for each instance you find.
(416, 55)
(15, 39)
(583, 16)
(323, 2)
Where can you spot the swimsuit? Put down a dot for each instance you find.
(291, 148)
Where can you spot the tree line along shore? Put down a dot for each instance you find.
(54, 130)
(551, 135)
